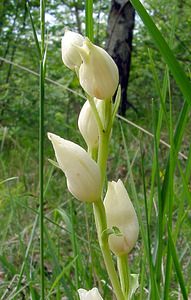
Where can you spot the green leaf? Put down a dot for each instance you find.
(116, 104)
(177, 266)
(58, 278)
(65, 218)
(174, 66)
(34, 31)
(54, 163)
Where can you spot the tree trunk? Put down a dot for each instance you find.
(119, 44)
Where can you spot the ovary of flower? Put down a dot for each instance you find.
(121, 213)
(87, 124)
(98, 74)
(93, 294)
(70, 54)
(82, 172)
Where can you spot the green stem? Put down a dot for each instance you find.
(101, 224)
(104, 136)
(41, 149)
(123, 268)
(99, 209)
(41, 178)
(102, 155)
(89, 19)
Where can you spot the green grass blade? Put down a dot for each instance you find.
(154, 289)
(42, 64)
(181, 124)
(174, 66)
(7, 265)
(56, 265)
(133, 189)
(58, 278)
(158, 243)
(34, 31)
(170, 199)
(177, 265)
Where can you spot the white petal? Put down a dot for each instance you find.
(121, 213)
(98, 73)
(70, 54)
(93, 294)
(82, 172)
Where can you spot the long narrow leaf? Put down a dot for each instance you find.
(174, 66)
(34, 31)
(177, 266)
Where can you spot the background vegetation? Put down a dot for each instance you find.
(72, 256)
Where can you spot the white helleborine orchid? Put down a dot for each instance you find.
(93, 294)
(98, 74)
(70, 55)
(87, 124)
(121, 213)
(82, 172)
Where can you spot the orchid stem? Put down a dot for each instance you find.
(101, 224)
(123, 268)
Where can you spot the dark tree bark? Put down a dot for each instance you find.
(119, 44)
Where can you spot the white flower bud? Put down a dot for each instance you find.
(93, 294)
(121, 213)
(98, 73)
(87, 124)
(70, 54)
(82, 172)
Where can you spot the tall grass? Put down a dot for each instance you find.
(166, 188)
(42, 67)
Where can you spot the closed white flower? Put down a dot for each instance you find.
(93, 294)
(87, 124)
(70, 54)
(82, 172)
(98, 74)
(121, 213)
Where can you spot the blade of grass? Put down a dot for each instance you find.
(57, 268)
(34, 30)
(7, 265)
(58, 278)
(170, 199)
(174, 66)
(153, 289)
(162, 97)
(75, 247)
(32, 235)
(42, 64)
(181, 124)
(158, 242)
(177, 265)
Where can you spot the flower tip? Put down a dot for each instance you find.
(53, 137)
(49, 134)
